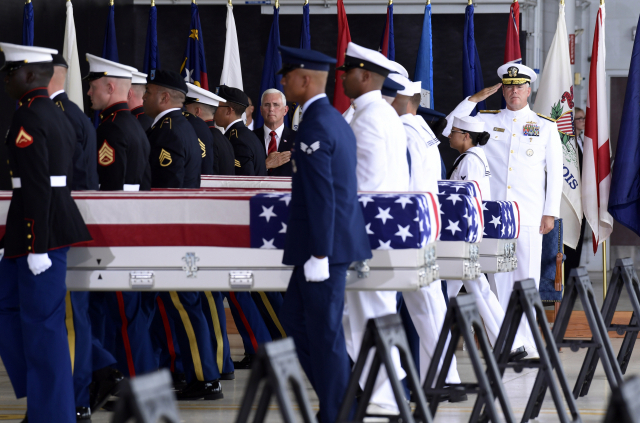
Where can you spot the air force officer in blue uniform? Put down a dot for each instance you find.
(326, 230)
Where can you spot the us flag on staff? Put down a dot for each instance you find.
(596, 169)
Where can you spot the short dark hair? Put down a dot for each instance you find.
(237, 108)
(415, 100)
(578, 109)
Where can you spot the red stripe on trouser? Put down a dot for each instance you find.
(125, 335)
(167, 332)
(245, 322)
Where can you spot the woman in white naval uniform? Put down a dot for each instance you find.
(467, 136)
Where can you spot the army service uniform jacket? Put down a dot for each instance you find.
(144, 120)
(223, 156)
(123, 151)
(250, 158)
(205, 141)
(42, 214)
(525, 157)
(176, 155)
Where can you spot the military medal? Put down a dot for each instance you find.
(531, 129)
(529, 152)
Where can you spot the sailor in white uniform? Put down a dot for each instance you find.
(382, 166)
(525, 156)
(468, 136)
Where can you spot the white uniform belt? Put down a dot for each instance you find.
(56, 181)
(131, 187)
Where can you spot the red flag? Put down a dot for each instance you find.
(512, 46)
(596, 171)
(341, 101)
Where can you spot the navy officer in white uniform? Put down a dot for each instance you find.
(525, 156)
(326, 229)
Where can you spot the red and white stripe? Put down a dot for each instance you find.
(596, 171)
(565, 123)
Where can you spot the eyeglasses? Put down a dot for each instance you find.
(579, 118)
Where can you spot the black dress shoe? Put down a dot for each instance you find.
(83, 414)
(517, 354)
(179, 381)
(246, 362)
(105, 383)
(227, 376)
(452, 395)
(211, 390)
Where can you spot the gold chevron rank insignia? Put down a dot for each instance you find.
(165, 158)
(237, 163)
(106, 154)
(203, 148)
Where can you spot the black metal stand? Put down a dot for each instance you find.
(277, 364)
(624, 406)
(624, 275)
(147, 399)
(525, 300)
(384, 333)
(462, 314)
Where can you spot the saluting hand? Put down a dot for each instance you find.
(484, 94)
(277, 159)
(546, 224)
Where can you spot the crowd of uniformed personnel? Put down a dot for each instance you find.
(158, 131)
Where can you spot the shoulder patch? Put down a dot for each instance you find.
(165, 158)
(106, 154)
(203, 148)
(490, 111)
(237, 163)
(546, 117)
(23, 139)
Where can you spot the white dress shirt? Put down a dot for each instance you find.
(426, 167)
(381, 145)
(231, 124)
(250, 126)
(52, 96)
(473, 166)
(161, 115)
(267, 136)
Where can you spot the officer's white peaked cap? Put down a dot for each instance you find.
(397, 67)
(361, 57)
(516, 74)
(99, 67)
(468, 123)
(200, 95)
(138, 78)
(15, 53)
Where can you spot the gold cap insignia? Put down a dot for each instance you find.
(512, 72)
(165, 158)
(106, 154)
(203, 148)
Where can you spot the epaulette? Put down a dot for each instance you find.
(185, 114)
(546, 117)
(490, 111)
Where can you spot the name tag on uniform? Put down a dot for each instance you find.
(531, 129)
(498, 129)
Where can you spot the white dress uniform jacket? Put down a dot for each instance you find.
(425, 156)
(382, 145)
(474, 166)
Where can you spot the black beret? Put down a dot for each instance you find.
(232, 95)
(167, 79)
(58, 60)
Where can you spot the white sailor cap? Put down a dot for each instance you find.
(417, 87)
(405, 82)
(16, 55)
(397, 67)
(468, 124)
(99, 67)
(516, 74)
(138, 78)
(200, 95)
(361, 57)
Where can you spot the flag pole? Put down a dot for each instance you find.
(604, 249)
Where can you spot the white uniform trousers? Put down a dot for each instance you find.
(529, 254)
(489, 308)
(360, 306)
(427, 309)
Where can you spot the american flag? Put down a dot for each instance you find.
(565, 123)
(461, 217)
(502, 219)
(470, 188)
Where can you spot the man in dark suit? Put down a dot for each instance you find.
(249, 153)
(134, 99)
(277, 138)
(326, 230)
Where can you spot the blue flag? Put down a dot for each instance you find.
(387, 43)
(151, 52)
(471, 71)
(194, 66)
(424, 64)
(624, 197)
(109, 49)
(272, 62)
(305, 33)
(27, 25)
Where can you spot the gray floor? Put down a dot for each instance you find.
(518, 386)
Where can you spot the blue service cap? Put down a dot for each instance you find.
(390, 87)
(430, 115)
(298, 58)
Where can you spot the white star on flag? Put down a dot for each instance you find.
(268, 244)
(454, 198)
(404, 200)
(384, 245)
(484, 206)
(286, 199)
(469, 218)
(496, 221)
(267, 213)
(453, 227)
(365, 199)
(403, 233)
(188, 78)
(368, 228)
(273, 195)
(417, 219)
(502, 233)
(384, 215)
(284, 228)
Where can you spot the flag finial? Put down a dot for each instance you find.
(110, 2)
(601, 2)
(306, 2)
(277, 4)
(27, 2)
(470, 2)
(193, 1)
(230, 3)
(390, 3)
(428, 2)
(153, 3)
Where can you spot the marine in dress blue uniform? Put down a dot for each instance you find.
(138, 84)
(326, 230)
(43, 221)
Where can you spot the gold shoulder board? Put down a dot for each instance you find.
(546, 117)
(490, 111)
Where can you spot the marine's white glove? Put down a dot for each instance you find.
(316, 270)
(1, 253)
(38, 263)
